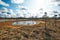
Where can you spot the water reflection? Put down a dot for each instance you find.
(25, 23)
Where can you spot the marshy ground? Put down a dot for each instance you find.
(49, 30)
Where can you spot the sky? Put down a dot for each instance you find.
(29, 8)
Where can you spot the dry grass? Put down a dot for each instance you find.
(30, 32)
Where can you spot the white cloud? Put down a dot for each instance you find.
(23, 12)
(17, 1)
(31, 10)
(22, 7)
(19, 13)
(27, 12)
(4, 15)
(3, 3)
(4, 10)
(12, 14)
(55, 2)
(11, 11)
(36, 5)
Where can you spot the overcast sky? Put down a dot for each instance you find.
(28, 8)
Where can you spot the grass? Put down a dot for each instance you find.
(30, 32)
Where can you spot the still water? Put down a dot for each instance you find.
(25, 23)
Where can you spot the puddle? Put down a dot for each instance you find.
(25, 23)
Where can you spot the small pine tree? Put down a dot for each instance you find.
(59, 15)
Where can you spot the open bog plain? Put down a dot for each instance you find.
(29, 29)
